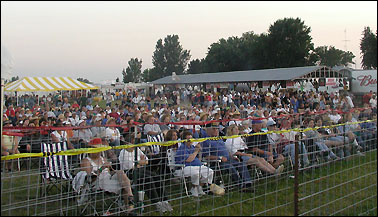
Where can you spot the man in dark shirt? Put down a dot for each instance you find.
(259, 145)
(217, 150)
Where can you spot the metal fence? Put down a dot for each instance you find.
(296, 169)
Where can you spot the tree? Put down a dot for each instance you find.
(11, 80)
(196, 66)
(288, 44)
(225, 55)
(133, 72)
(368, 47)
(84, 80)
(117, 80)
(331, 56)
(150, 75)
(169, 57)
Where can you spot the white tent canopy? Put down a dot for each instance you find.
(32, 84)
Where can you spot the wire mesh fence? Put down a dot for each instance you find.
(285, 165)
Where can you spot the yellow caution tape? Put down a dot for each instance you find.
(166, 143)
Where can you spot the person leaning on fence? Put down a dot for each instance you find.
(147, 180)
(238, 148)
(217, 150)
(200, 174)
(259, 144)
(103, 177)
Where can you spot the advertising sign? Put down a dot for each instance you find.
(364, 80)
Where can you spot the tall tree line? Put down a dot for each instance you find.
(287, 43)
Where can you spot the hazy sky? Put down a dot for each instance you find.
(95, 40)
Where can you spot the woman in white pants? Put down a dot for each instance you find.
(199, 174)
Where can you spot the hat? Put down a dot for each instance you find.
(236, 113)
(270, 123)
(83, 117)
(7, 122)
(213, 124)
(96, 143)
(256, 121)
(80, 121)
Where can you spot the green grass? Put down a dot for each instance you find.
(347, 187)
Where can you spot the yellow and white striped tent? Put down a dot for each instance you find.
(32, 84)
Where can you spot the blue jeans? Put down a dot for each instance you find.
(324, 149)
(237, 168)
(341, 151)
(290, 150)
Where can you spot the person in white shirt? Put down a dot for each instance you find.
(74, 119)
(373, 101)
(238, 149)
(112, 133)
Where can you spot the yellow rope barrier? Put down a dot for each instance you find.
(166, 143)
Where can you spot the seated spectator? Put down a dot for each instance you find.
(82, 136)
(98, 130)
(325, 151)
(287, 141)
(9, 145)
(200, 174)
(148, 180)
(238, 148)
(104, 177)
(60, 135)
(259, 144)
(217, 150)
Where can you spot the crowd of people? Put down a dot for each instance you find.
(188, 113)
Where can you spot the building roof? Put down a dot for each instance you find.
(240, 76)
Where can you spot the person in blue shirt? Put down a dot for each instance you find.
(217, 150)
(187, 154)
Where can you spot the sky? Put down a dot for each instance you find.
(95, 40)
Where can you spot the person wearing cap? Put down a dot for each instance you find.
(217, 150)
(60, 135)
(259, 145)
(82, 136)
(98, 130)
(235, 115)
(112, 134)
(104, 177)
(74, 119)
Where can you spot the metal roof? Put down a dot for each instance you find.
(241, 76)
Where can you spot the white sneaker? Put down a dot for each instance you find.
(167, 206)
(280, 169)
(194, 192)
(360, 154)
(200, 190)
(160, 207)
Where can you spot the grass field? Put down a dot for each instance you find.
(347, 187)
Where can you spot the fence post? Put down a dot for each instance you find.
(296, 178)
